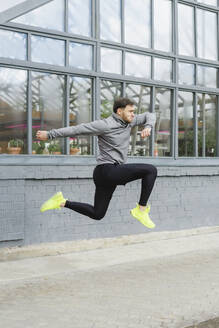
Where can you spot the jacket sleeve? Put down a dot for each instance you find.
(94, 128)
(146, 119)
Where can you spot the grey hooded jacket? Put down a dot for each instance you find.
(113, 135)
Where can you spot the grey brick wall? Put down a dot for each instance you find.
(183, 198)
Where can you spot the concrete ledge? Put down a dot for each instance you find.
(51, 249)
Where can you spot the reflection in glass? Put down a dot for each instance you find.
(162, 146)
(13, 111)
(186, 73)
(141, 95)
(47, 50)
(49, 16)
(137, 65)
(48, 96)
(5, 5)
(162, 69)
(207, 34)
(186, 38)
(80, 55)
(79, 17)
(209, 2)
(109, 91)
(13, 45)
(110, 20)
(207, 76)
(111, 60)
(206, 112)
(137, 22)
(185, 124)
(163, 25)
(80, 111)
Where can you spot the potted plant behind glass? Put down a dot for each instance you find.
(38, 147)
(54, 148)
(15, 146)
(74, 146)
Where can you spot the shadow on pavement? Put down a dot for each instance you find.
(213, 323)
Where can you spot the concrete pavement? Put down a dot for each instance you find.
(172, 283)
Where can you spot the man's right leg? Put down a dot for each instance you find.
(102, 199)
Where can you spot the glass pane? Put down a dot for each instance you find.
(13, 111)
(162, 69)
(109, 90)
(4, 5)
(48, 97)
(185, 124)
(79, 17)
(186, 73)
(80, 55)
(209, 2)
(207, 76)
(207, 34)
(13, 45)
(163, 25)
(141, 95)
(186, 39)
(137, 65)
(162, 146)
(206, 125)
(138, 22)
(110, 20)
(111, 60)
(80, 111)
(47, 51)
(50, 16)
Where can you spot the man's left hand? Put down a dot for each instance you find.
(146, 132)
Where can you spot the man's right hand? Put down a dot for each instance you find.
(42, 135)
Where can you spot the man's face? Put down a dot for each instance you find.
(127, 113)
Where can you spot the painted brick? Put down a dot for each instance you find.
(180, 200)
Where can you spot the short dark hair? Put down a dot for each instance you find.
(121, 103)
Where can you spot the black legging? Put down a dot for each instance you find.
(106, 178)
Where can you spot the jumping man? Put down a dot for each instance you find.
(113, 138)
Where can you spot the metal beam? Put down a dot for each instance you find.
(21, 9)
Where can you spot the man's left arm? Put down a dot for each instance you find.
(147, 120)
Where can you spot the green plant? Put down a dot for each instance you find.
(73, 143)
(54, 146)
(16, 143)
(106, 109)
(38, 146)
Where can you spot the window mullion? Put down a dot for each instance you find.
(29, 113)
(152, 139)
(174, 125)
(66, 111)
(195, 124)
(204, 126)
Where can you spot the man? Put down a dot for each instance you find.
(113, 138)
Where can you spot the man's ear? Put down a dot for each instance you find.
(119, 110)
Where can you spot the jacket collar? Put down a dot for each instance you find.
(119, 119)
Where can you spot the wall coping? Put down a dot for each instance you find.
(85, 171)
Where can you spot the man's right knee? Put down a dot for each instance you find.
(98, 216)
(154, 170)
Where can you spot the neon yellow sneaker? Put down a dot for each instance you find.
(143, 216)
(53, 202)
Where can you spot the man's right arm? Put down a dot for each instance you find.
(93, 128)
